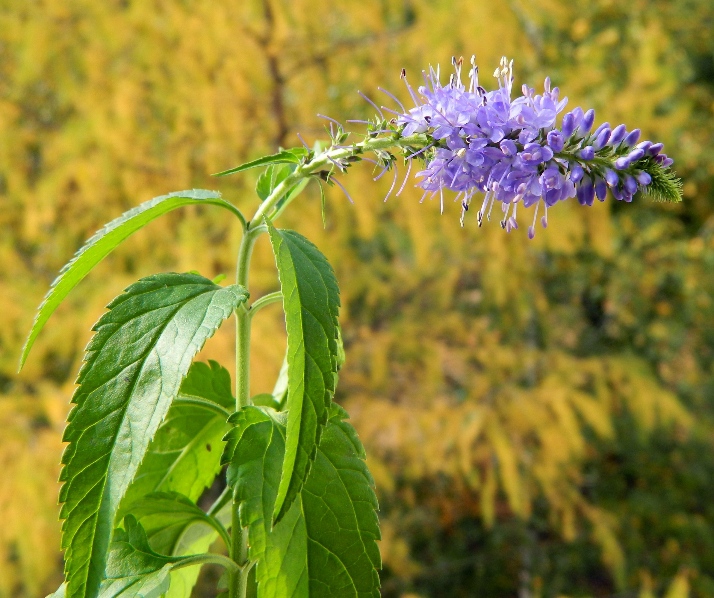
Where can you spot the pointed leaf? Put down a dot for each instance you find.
(133, 369)
(311, 302)
(291, 156)
(185, 454)
(105, 240)
(326, 544)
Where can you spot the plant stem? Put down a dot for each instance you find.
(239, 535)
(326, 160)
(265, 300)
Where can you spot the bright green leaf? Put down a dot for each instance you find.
(326, 544)
(134, 366)
(185, 454)
(292, 156)
(311, 302)
(105, 240)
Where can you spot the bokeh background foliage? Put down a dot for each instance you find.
(537, 415)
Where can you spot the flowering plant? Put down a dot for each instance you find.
(150, 430)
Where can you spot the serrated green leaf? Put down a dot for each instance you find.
(311, 302)
(291, 156)
(184, 455)
(326, 544)
(107, 239)
(133, 369)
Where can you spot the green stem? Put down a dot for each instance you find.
(326, 160)
(203, 404)
(239, 535)
(208, 558)
(265, 300)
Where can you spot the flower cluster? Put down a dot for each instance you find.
(512, 150)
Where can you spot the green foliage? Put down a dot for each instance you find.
(184, 455)
(133, 568)
(291, 156)
(105, 241)
(311, 302)
(325, 545)
(166, 515)
(142, 350)
(455, 338)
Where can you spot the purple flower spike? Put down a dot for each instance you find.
(555, 140)
(618, 134)
(632, 137)
(513, 150)
(587, 153)
(667, 162)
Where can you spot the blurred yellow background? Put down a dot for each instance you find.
(537, 415)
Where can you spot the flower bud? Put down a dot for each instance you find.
(587, 153)
(601, 189)
(622, 163)
(568, 125)
(618, 134)
(632, 137)
(602, 139)
(611, 178)
(643, 178)
(587, 122)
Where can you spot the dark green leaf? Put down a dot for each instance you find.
(326, 544)
(185, 454)
(105, 240)
(292, 156)
(134, 367)
(311, 302)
